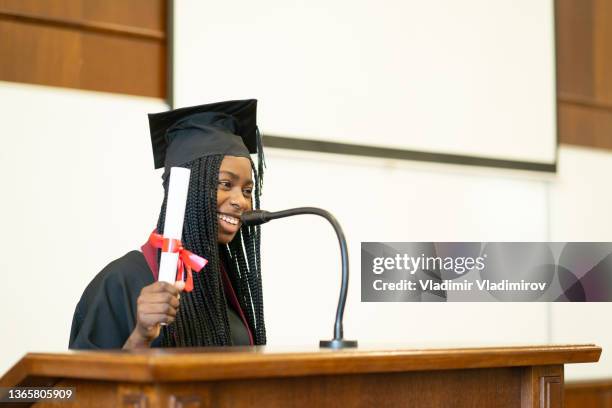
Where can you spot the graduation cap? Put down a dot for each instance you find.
(226, 128)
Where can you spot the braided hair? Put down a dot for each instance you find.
(202, 318)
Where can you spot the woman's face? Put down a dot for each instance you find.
(233, 195)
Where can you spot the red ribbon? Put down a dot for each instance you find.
(187, 260)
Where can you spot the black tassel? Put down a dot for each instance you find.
(261, 160)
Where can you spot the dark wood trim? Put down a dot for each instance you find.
(84, 25)
(605, 383)
(584, 102)
(588, 393)
(542, 386)
(291, 143)
(585, 126)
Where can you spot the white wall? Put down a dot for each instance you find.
(78, 190)
(581, 210)
(378, 200)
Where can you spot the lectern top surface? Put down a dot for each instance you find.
(267, 362)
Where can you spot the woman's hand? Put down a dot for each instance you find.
(157, 303)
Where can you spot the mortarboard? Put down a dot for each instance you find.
(227, 128)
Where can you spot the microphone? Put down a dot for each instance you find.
(259, 217)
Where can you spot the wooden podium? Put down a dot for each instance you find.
(274, 377)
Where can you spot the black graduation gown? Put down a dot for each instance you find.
(106, 314)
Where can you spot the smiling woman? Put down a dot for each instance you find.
(126, 307)
(233, 195)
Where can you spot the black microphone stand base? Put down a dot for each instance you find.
(337, 344)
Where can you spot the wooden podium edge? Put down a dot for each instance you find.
(260, 362)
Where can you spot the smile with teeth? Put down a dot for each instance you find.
(228, 219)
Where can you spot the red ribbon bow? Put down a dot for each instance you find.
(187, 260)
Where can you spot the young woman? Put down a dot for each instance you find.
(125, 307)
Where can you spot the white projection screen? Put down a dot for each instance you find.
(471, 77)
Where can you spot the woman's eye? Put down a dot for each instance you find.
(225, 184)
(247, 191)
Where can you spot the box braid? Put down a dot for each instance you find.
(202, 315)
(247, 277)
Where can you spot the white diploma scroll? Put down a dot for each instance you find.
(173, 225)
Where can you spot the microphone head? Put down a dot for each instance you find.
(256, 217)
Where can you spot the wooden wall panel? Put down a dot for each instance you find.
(61, 9)
(110, 46)
(584, 72)
(574, 32)
(136, 13)
(585, 125)
(602, 50)
(148, 14)
(111, 63)
(588, 394)
(40, 55)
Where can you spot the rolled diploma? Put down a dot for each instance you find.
(173, 225)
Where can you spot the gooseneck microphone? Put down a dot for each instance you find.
(259, 217)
